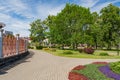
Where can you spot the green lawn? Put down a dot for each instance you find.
(76, 54)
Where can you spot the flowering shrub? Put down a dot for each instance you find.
(107, 71)
(89, 50)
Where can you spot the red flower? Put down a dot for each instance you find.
(99, 63)
(79, 67)
(76, 76)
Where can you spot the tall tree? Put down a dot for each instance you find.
(110, 24)
(66, 27)
(96, 31)
(37, 31)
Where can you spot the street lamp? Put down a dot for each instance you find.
(1, 39)
(2, 25)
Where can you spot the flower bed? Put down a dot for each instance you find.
(94, 71)
(76, 76)
(99, 63)
(109, 73)
(79, 67)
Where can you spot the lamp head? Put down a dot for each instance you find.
(2, 25)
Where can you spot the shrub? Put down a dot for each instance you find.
(80, 50)
(67, 52)
(30, 47)
(89, 50)
(53, 49)
(39, 47)
(115, 67)
(104, 54)
(46, 49)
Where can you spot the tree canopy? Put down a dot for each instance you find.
(77, 25)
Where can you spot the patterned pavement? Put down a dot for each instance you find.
(40, 65)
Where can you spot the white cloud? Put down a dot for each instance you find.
(14, 24)
(4, 17)
(44, 10)
(98, 7)
(18, 28)
(56, 10)
(88, 3)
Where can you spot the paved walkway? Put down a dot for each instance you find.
(44, 66)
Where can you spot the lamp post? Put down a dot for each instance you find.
(1, 39)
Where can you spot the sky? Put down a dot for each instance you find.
(18, 14)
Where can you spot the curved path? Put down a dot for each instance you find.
(44, 66)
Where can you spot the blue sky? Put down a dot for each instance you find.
(17, 14)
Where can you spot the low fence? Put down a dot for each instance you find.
(11, 45)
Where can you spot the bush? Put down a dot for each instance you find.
(46, 49)
(80, 50)
(115, 67)
(39, 47)
(53, 49)
(67, 52)
(30, 47)
(104, 54)
(89, 50)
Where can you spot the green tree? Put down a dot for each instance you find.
(67, 26)
(37, 31)
(96, 31)
(110, 24)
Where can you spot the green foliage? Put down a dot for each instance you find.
(39, 47)
(46, 49)
(67, 26)
(37, 31)
(67, 52)
(115, 67)
(110, 25)
(76, 54)
(92, 72)
(76, 25)
(104, 54)
(80, 50)
(30, 47)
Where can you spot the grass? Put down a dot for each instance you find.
(92, 72)
(76, 54)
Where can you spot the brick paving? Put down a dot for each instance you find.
(44, 66)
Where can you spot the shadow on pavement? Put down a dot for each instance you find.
(15, 63)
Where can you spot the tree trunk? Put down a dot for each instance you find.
(117, 50)
(62, 47)
(73, 44)
(76, 45)
(109, 46)
(95, 45)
